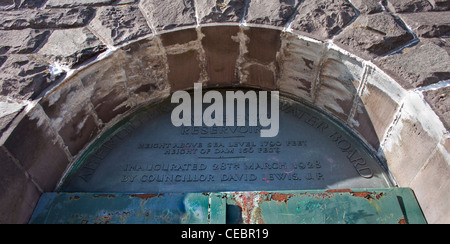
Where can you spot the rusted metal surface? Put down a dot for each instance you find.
(348, 206)
(89, 208)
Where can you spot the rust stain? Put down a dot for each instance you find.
(364, 194)
(339, 191)
(279, 197)
(402, 221)
(251, 210)
(74, 198)
(104, 195)
(146, 196)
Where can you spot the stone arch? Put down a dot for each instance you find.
(119, 67)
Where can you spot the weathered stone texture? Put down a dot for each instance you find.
(368, 6)
(374, 35)
(299, 64)
(72, 47)
(405, 159)
(18, 195)
(221, 47)
(107, 82)
(22, 41)
(184, 70)
(428, 24)
(42, 19)
(68, 108)
(440, 5)
(25, 77)
(339, 80)
(8, 111)
(402, 6)
(45, 159)
(179, 37)
(21, 4)
(168, 14)
(421, 65)
(429, 187)
(76, 3)
(220, 11)
(260, 76)
(271, 12)
(377, 107)
(439, 100)
(144, 64)
(323, 19)
(120, 24)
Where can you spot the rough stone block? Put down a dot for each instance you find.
(439, 100)
(25, 77)
(221, 11)
(428, 24)
(106, 81)
(184, 70)
(120, 24)
(421, 65)
(368, 6)
(45, 159)
(221, 45)
(144, 64)
(299, 62)
(72, 47)
(8, 111)
(169, 14)
(339, 81)
(18, 195)
(374, 35)
(45, 19)
(402, 6)
(440, 5)
(322, 19)
(271, 12)
(22, 41)
(76, 3)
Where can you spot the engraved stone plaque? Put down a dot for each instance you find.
(147, 153)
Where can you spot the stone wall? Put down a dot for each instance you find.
(72, 69)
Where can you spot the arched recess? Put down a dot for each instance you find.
(70, 117)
